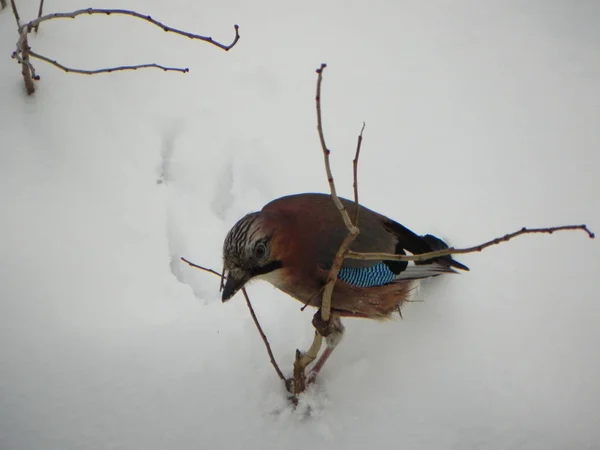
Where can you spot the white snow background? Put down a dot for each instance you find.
(482, 117)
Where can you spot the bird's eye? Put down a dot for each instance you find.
(260, 251)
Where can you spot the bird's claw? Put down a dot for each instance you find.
(325, 328)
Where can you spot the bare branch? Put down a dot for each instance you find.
(23, 51)
(326, 153)
(22, 54)
(352, 229)
(2, 4)
(459, 251)
(15, 12)
(304, 359)
(91, 11)
(108, 69)
(264, 338)
(298, 383)
(355, 172)
(40, 12)
(254, 318)
(196, 266)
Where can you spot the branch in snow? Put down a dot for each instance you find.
(304, 359)
(254, 318)
(23, 51)
(108, 69)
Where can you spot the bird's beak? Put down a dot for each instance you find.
(233, 284)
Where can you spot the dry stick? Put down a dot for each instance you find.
(264, 337)
(91, 11)
(15, 12)
(355, 171)
(23, 51)
(40, 11)
(22, 54)
(303, 360)
(477, 248)
(352, 229)
(106, 70)
(254, 318)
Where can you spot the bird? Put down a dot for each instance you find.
(292, 242)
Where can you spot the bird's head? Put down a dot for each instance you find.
(248, 253)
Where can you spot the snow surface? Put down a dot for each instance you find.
(482, 117)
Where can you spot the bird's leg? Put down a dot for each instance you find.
(333, 330)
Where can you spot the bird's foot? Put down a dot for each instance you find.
(324, 327)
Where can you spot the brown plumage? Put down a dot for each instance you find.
(292, 242)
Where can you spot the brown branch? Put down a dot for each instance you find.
(15, 12)
(196, 266)
(352, 229)
(355, 172)
(22, 54)
(326, 153)
(459, 251)
(23, 51)
(254, 318)
(264, 337)
(304, 359)
(2, 4)
(91, 11)
(108, 69)
(40, 12)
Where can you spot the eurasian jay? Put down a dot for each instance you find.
(292, 242)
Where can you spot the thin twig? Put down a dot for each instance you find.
(264, 337)
(206, 269)
(15, 13)
(352, 229)
(40, 12)
(304, 359)
(355, 172)
(326, 153)
(23, 51)
(106, 70)
(22, 54)
(458, 251)
(254, 318)
(91, 11)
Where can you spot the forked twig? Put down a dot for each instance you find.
(353, 231)
(343, 252)
(254, 318)
(304, 359)
(23, 51)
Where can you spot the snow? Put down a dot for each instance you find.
(482, 117)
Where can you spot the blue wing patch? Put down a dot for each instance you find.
(376, 275)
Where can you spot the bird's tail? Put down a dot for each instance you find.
(435, 244)
(431, 267)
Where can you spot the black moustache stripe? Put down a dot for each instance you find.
(270, 267)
